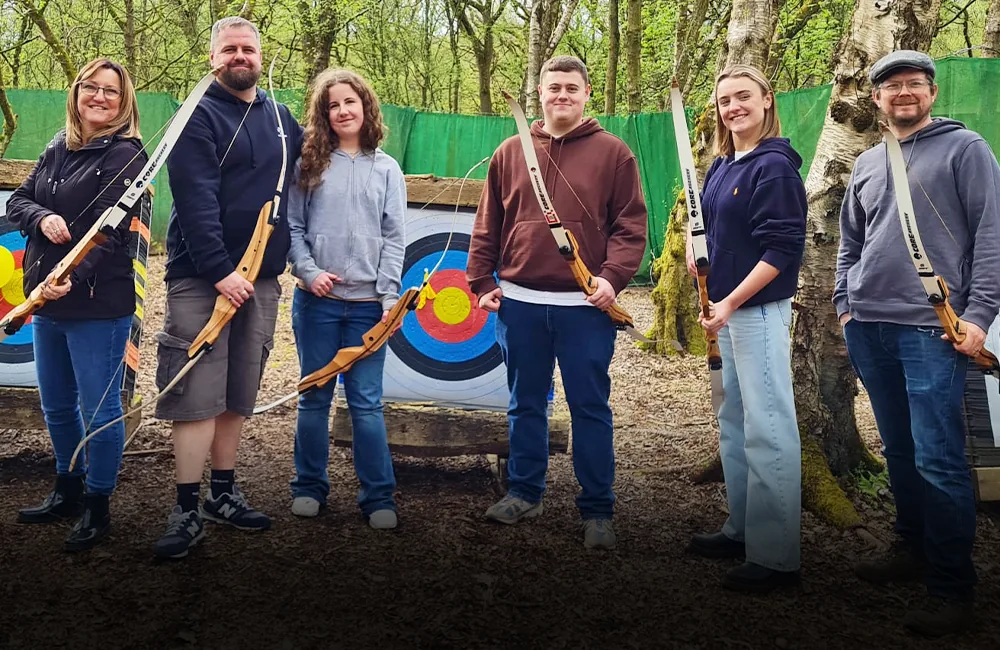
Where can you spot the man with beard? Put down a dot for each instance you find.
(223, 169)
(914, 375)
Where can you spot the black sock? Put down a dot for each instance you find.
(187, 496)
(222, 482)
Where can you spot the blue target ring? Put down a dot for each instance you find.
(18, 347)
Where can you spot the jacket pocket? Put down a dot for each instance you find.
(171, 356)
(366, 252)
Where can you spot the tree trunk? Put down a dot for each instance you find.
(825, 384)
(319, 30)
(9, 118)
(614, 47)
(484, 63)
(689, 22)
(633, 53)
(534, 57)
(991, 39)
(455, 72)
(128, 35)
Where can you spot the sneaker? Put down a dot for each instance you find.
(305, 507)
(511, 509)
(382, 519)
(184, 530)
(900, 564)
(940, 617)
(599, 533)
(234, 510)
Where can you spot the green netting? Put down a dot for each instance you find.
(43, 112)
(448, 145)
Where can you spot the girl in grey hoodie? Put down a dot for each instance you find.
(346, 217)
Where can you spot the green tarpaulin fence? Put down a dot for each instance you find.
(448, 145)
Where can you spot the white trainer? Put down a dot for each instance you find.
(305, 507)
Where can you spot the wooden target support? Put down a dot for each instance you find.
(21, 406)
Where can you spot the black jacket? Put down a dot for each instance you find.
(215, 208)
(65, 183)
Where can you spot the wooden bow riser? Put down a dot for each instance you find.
(372, 340)
(986, 361)
(19, 315)
(712, 339)
(585, 279)
(248, 267)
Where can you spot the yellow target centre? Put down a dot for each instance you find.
(13, 291)
(6, 266)
(452, 305)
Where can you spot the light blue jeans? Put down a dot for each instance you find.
(759, 435)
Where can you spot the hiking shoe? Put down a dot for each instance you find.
(511, 509)
(64, 502)
(184, 530)
(716, 545)
(754, 578)
(900, 564)
(940, 617)
(234, 510)
(305, 507)
(599, 533)
(382, 519)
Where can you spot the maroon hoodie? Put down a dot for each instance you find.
(597, 197)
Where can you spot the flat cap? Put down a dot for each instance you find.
(900, 59)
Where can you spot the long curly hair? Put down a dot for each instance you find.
(320, 139)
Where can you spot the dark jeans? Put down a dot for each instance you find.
(532, 337)
(916, 381)
(79, 363)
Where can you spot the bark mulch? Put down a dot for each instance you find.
(446, 578)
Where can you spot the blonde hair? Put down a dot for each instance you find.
(771, 127)
(319, 140)
(128, 106)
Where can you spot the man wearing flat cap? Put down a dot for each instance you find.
(915, 376)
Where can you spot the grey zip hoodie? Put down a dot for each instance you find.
(351, 225)
(954, 179)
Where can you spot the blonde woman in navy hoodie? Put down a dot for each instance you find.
(345, 213)
(754, 204)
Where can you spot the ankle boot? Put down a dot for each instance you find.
(93, 526)
(64, 502)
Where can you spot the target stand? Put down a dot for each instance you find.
(445, 383)
(19, 400)
(982, 420)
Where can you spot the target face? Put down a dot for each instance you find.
(17, 357)
(446, 350)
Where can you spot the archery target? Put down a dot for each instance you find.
(17, 356)
(446, 350)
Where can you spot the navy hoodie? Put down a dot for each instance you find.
(215, 209)
(755, 209)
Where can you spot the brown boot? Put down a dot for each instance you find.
(900, 564)
(940, 616)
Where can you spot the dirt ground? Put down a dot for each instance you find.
(446, 578)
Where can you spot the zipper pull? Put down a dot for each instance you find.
(91, 293)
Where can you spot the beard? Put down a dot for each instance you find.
(239, 79)
(909, 120)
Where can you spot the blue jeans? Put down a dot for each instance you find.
(79, 362)
(532, 337)
(916, 381)
(759, 436)
(322, 326)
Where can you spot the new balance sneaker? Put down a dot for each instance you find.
(511, 509)
(599, 533)
(234, 510)
(305, 507)
(184, 530)
(382, 519)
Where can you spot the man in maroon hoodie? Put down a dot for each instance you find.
(542, 314)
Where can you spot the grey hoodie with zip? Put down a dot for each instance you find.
(955, 185)
(351, 225)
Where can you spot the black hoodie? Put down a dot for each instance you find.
(215, 208)
(755, 209)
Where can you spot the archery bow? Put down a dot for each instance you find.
(564, 238)
(248, 267)
(699, 244)
(381, 332)
(113, 216)
(933, 284)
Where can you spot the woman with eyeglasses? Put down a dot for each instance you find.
(81, 332)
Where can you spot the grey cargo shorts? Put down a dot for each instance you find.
(228, 377)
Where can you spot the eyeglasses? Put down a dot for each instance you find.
(913, 85)
(89, 90)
